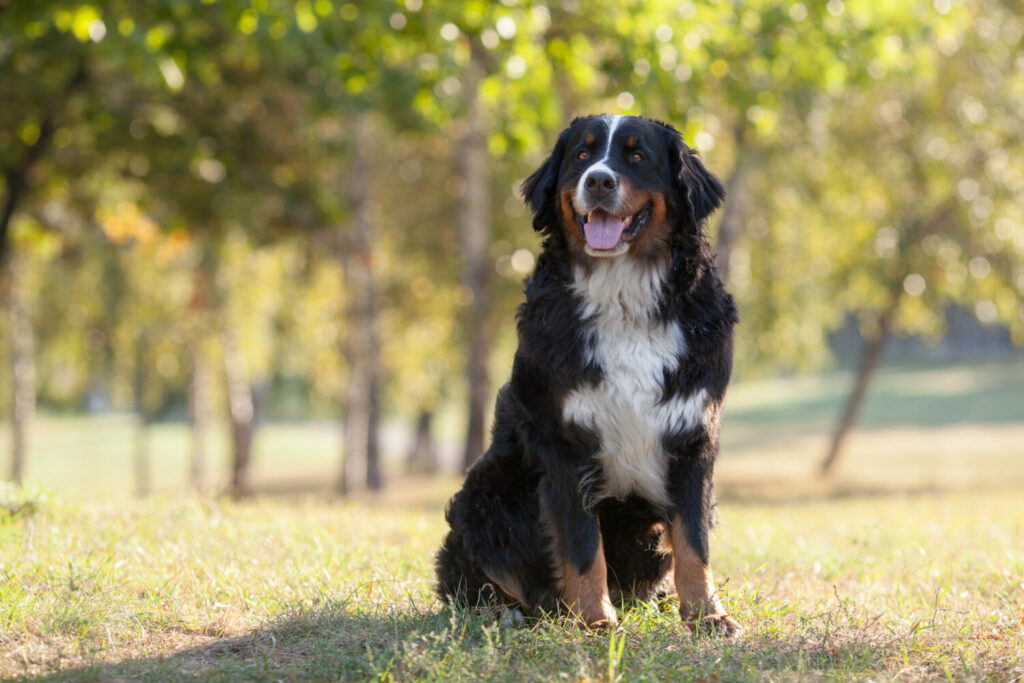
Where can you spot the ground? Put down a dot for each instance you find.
(909, 566)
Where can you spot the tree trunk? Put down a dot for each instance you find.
(361, 460)
(737, 198)
(474, 223)
(141, 457)
(422, 456)
(199, 412)
(241, 411)
(871, 356)
(23, 369)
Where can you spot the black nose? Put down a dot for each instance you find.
(600, 183)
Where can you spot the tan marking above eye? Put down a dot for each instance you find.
(588, 138)
(632, 140)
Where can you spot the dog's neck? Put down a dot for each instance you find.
(624, 288)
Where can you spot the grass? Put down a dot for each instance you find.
(917, 424)
(909, 565)
(912, 588)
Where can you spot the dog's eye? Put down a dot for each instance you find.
(583, 155)
(636, 156)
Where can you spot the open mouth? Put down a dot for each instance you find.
(609, 235)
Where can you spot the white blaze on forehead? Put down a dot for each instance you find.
(611, 122)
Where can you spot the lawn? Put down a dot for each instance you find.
(908, 565)
(927, 428)
(912, 588)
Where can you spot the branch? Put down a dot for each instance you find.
(16, 177)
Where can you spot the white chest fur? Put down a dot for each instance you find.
(634, 350)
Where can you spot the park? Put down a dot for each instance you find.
(260, 264)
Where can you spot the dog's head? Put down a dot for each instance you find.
(618, 184)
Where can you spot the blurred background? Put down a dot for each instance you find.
(276, 246)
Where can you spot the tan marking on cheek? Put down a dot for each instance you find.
(654, 240)
(572, 230)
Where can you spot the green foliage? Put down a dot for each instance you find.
(878, 141)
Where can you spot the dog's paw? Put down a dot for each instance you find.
(603, 622)
(512, 617)
(714, 625)
(599, 617)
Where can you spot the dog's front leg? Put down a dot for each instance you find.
(579, 553)
(691, 492)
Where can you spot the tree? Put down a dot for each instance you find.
(945, 196)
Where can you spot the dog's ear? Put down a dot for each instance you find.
(539, 189)
(696, 187)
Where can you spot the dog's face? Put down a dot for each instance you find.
(620, 184)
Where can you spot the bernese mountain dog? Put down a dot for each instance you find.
(597, 487)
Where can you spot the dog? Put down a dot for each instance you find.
(597, 487)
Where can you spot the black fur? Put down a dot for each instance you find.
(527, 497)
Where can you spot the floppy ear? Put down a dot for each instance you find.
(696, 187)
(539, 189)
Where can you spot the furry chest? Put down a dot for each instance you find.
(625, 410)
(626, 413)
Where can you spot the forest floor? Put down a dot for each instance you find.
(908, 564)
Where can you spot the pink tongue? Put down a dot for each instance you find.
(603, 230)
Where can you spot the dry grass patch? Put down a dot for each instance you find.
(911, 588)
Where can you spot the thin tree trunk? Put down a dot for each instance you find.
(23, 370)
(141, 457)
(241, 411)
(199, 412)
(361, 459)
(871, 356)
(474, 223)
(734, 213)
(374, 476)
(423, 452)
(874, 348)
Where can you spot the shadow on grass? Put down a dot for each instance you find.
(323, 643)
(338, 643)
(925, 396)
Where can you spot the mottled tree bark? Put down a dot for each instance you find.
(422, 455)
(361, 459)
(141, 456)
(199, 414)
(735, 210)
(241, 411)
(474, 224)
(23, 369)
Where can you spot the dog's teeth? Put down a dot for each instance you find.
(626, 221)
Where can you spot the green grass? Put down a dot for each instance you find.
(909, 588)
(908, 565)
(918, 423)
